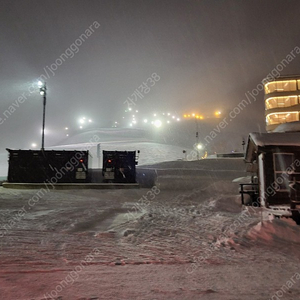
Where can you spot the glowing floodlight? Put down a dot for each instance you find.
(157, 123)
(199, 146)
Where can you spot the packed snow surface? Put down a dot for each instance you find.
(185, 238)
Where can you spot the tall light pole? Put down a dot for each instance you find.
(243, 144)
(197, 137)
(43, 92)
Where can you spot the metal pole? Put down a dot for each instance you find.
(44, 114)
(197, 138)
(98, 155)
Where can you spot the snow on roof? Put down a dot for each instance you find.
(288, 127)
(275, 139)
(284, 77)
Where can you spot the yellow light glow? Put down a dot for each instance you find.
(280, 86)
(286, 101)
(284, 117)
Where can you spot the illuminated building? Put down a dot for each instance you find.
(282, 101)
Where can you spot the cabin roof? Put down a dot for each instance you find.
(275, 139)
(259, 141)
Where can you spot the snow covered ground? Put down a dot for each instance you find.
(185, 238)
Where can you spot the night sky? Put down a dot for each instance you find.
(208, 54)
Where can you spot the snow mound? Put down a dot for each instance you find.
(276, 232)
(150, 153)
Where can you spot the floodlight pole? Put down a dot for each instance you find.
(243, 144)
(43, 89)
(197, 138)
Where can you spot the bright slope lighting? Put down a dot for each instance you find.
(157, 123)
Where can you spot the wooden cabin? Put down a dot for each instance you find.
(273, 159)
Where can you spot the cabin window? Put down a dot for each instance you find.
(283, 163)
